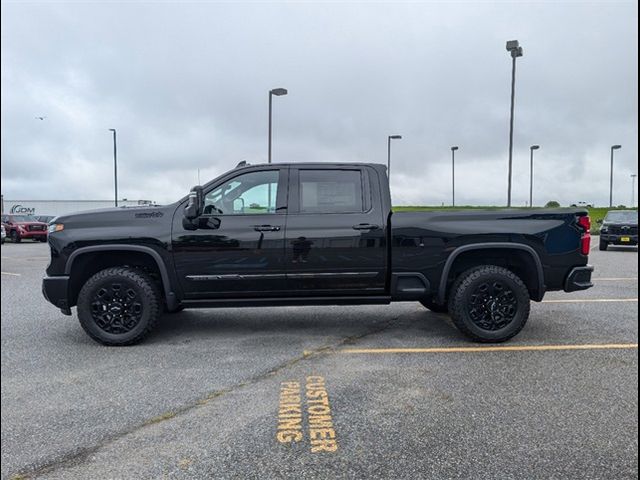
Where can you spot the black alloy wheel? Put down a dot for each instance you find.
(493, 305)
(489, 303)
(119, 306)
(116, 307)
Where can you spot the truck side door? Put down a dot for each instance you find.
(336, 232)
(237, 249)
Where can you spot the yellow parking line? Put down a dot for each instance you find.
(508, 348)
(591, 300)
(12, 274)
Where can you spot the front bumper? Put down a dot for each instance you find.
(55, 290)
(32, 234)
(579, 279)
(617, 239)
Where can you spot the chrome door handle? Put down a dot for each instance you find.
(365, 226)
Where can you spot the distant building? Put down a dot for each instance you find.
(61, 207)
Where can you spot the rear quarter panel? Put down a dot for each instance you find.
(423, 241)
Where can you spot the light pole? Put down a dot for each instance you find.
(633, 189)
(391, 137)
(613, 147)
(513, 47)
(115, 164)
(453, 175)
(278, 92)
(531, 148)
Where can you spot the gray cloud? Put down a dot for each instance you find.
(186, 86)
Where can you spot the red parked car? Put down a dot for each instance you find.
(20, 227)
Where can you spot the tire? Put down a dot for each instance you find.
(603, 245)
(15, 236)
(489, 304)
(434, 307)
(119, 306)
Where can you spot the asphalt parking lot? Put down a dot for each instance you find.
(406, 395)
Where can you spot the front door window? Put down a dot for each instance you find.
(252, 193)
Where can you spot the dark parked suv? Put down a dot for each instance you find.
(619, 227)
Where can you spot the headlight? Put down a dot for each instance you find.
(55, 227)
(604, 229)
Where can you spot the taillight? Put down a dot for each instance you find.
(585, 242)
(585, 222)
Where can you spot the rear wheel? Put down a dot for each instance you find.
(489, 304)
(15, 236)
(603, 245)
(433, 306)
(119, 306)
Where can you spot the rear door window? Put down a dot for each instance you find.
(330, 191)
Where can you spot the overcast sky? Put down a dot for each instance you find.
(186, 86)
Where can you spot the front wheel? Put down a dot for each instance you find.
(489, 304)
(603, 245)
(15, 236)
(119, 306)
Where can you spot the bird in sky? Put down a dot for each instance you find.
(40, 118)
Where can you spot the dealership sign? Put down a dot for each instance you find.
(23, 210)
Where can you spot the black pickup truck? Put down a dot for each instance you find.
(310, 234)
(619, 227)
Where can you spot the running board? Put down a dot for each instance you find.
(285, 301)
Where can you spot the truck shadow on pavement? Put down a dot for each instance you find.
(314, 322)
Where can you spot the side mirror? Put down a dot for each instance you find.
(195, 205)
(599, 220)
(238, 205)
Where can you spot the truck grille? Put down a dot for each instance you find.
(617, 230)
(36, 228)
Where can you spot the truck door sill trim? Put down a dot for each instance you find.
(333, 275)
(235, 276)
(287, 301)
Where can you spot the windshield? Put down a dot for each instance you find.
(23, 218)
(622, 217)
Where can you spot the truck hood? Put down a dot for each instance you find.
(116, 216)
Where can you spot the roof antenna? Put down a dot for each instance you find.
(243, 163)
